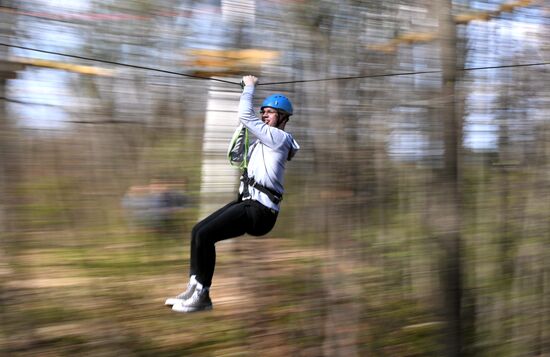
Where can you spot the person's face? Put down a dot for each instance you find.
(270, 116)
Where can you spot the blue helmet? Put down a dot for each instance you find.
(279, 102)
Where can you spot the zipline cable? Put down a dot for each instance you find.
(401, 74)
(117, 63)
(268, 83)
(346, 78)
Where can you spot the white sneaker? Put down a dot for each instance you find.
(184, 295)
(199, 301)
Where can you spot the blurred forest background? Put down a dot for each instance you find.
(416, 219)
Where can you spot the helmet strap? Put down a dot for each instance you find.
(282, 119)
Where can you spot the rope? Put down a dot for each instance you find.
(268, 83)
(117, 63)
(401, 74)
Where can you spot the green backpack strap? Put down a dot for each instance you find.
(238, 148)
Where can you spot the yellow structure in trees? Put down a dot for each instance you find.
(228, 62)
(460, 19)
(21, 62)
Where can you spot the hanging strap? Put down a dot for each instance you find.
(273, 195)
(237, 152)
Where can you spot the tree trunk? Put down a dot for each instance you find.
(10, 165)
(449, 232)
(10, 175)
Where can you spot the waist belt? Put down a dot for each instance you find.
(273, 195)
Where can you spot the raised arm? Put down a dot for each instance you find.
(268, 135)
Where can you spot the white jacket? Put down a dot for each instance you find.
(268, 155)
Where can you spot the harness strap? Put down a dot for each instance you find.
(273, 195)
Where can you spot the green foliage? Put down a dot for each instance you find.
(48, 202)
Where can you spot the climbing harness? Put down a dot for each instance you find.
(273, 195)
(238, 156)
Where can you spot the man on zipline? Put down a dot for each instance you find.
(260, 193)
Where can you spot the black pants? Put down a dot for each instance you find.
(233, 220)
